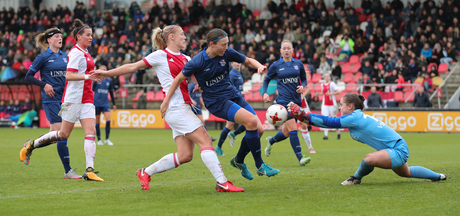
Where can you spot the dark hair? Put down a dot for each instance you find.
(78, 26)
(213, 36)
(356, 100)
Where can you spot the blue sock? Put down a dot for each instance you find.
(98, 132)
(240, 129)
(295, 143)
(107, 129)
(253, 139)
(223, 136)
(243, 151)
(63, 152)
(423, 173)
(44, 144)
(278, 138)
(363, 170)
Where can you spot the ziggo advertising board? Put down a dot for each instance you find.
(403, 121)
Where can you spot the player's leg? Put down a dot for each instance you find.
(291, 126)
(63, 152)
(325, 112)
(306, 137)
(333, 110)
(223, 135)
(107, 126)
(419, 172)
(98, 129)
(280, 136)
(237, 131)
(379, 159)
(88, 125)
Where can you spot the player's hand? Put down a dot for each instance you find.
(299, 89)
(197, 89)
(298, 113)
(114, 107)
(193, 102)
(266, 98)
(163, 108)
(328, 94)
(95, 77)
(49, 90)
(244, 92)
(101, 73)
(262, 69)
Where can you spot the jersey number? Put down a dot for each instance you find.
(381, 124)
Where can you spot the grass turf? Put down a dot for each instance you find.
(39, 188)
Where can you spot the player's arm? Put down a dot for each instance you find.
(124, 69)
(252, 63)
(306, 90)
(174, 85)
(320, 120)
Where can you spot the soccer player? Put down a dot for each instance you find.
(196, 108)
(101, 102)
(186, 126)
(210, 69)
(291, 79)
(237, 80)
(78, 101)
(52, 64)
(329, 106)
(392, 151)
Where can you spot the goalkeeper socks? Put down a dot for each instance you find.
(239, 130)
(423, 173)
(98, 131)
(306, 137)
(210, 159)
(295, 144)
(223, 136)
(46, 138)
(277, 138)
(90, 150)
(253, 139)
(363, 170)
(63, 152)
(166, 163)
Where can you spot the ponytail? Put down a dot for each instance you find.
(78, 28)
(41, 40)
(160, 36)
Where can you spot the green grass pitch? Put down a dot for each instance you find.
(39, 188)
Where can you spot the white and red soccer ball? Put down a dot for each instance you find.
(276, 114)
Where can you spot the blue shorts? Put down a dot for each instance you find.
(196, 109)
(227, 109)
(284, 103)
(52, 111)
(102, 109)
(398, 154)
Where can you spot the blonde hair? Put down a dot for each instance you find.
(158, 36)
(40, 40)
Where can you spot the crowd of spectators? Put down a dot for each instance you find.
(403, 39)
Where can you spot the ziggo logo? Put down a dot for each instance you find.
(400, 123)
(126, 119)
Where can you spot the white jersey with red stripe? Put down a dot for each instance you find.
(168, 65)
(81, 91)
(330, 87)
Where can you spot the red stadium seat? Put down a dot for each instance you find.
(347, 78)
(159, 96)
(380, 66)
(366, 94)
(350, 87)
(248, 97)
(317, 87)
(354, 59)
(362, 18)
(358, 10)
(151, 96)
(356, 79)
(346, 68)
(316, 78)
(399, 96)
(256, 14)
(256, 87)
(443, 67)
(429, 66)
(341, 95)
(356, 68)
(258, 97)
(137, 96)
(122, 38)
(409, 96)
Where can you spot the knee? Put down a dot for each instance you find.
(261, 131)
(251, 124)
(185, 158)
(369, 159)
(63, 136)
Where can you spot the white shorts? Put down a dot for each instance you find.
(182, 120)
(71, 112)
(329, 111)
(305, 105)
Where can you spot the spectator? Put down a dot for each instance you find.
(374, 100)
(336, 72)
(347, 45)
(26, 106)
(421, 99)
(366, 69)
(427, 83)
(364, 79)
(400, 81)
(142, 102)
(426, 51)
(2, 109)
(324, 67)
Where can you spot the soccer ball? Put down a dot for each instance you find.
(276, 114)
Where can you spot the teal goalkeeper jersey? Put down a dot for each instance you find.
(363, 128)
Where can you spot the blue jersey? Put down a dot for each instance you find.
(363, 128)
(194, 95)
(213, 76)
(101, 91)
(236, 79)
(288, 76)
(52, 67)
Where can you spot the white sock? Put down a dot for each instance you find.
(166, 163)
(90, 150)
(209, 158)
(338, 131)
(326, 131)
(49, 137)
(306, 137)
